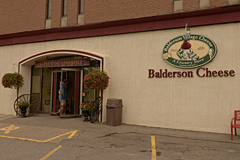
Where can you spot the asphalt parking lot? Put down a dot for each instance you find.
(50, 137)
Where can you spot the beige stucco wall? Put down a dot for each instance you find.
(200, 104)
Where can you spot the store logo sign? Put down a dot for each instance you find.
(189, 51)
(63, 63)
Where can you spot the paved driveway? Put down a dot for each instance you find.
(50, 137)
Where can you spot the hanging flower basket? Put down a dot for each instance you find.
(96, 79)
(12, 80)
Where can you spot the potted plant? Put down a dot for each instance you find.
(23, 107)
(96, 79)
(87, 107)
(12, 80)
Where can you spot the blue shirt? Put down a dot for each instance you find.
(64, 95)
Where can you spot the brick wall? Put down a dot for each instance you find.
(56, 13)
(191, 5)
(72, 14)
(109, 10)
(218, 3)
(22, 15)
(28, 15)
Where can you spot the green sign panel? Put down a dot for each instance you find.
(196, 51)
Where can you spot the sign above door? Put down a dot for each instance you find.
(63, 63)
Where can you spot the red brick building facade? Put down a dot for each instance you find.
(22, 15)
(27, 15)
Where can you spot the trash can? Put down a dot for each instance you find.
(114, 112)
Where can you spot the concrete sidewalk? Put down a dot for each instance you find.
(6, 116)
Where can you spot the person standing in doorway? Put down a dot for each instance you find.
(63, 97)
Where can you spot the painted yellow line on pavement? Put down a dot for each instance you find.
(73, 132)
(153, 148)
(34, 140)
(25, 139)
(8, 129)
(50, 153)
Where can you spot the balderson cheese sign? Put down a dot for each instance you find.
(189, 51)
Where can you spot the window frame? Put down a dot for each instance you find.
(64, 8)
(81, 7)
(49, 9)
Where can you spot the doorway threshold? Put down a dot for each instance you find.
(70, 116)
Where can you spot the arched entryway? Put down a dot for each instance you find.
(43, 73)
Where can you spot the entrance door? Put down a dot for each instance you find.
(73, 91)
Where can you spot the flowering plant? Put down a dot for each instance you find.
(22, 104)
(96, 79)
(87, 106)
(12, 80)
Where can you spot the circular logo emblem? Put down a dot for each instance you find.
(193, 52)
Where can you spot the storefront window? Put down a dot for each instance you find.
(36, 84)
(89, 94)
(46, 89)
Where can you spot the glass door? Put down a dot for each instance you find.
(73, 91)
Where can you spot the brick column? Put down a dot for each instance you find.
(218, 3)
(190, 5)
(72, 14)
(56, 13)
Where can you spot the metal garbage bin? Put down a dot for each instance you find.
(114, 112)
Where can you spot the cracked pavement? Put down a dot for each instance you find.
(100, 141)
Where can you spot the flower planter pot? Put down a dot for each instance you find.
(86, 115)
(23, 111)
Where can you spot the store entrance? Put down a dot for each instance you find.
(74, 94)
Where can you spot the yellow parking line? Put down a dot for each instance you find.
(25, 139)
(50, 153)
(34, 140)
(153, 148)
(73, 132)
